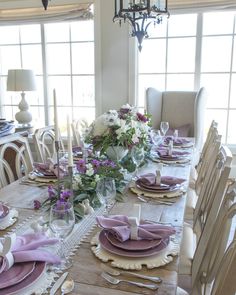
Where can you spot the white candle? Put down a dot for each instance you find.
(69, 144)
(55, 116)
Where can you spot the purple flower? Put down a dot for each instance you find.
(65, 195)
(81, 166)
(109, 163)
(51, 192)
(96, 164)
(37, 204)
(142, 117)
(61, 205)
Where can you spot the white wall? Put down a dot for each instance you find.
(114, 59)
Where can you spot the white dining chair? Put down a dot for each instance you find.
(15, 158)
(44, 142)
(78, 127)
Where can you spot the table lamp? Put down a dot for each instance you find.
(22, 80)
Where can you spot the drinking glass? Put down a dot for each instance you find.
(137, 155)
(106, 190)
(61, 221)
(156, 137)
(164, 127)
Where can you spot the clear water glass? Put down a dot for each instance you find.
(106, 190)
(137, 155)
(164, 127)
(156, 137)
(61, 222)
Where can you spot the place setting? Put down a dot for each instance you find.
(170, 156)
(131, 243)
(157, 186)
(8, 216)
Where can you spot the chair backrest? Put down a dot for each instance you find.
(15, 158)
(210, 200)
(225, 282)
(178, 108)
(78, 128)
(212, 245)
(44, 140)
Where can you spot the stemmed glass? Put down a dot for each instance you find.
(137, 155)
(62, 221)
(156, 137)
(164, 127)
(106, 190)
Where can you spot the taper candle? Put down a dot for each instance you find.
(55, 115)
(69, 143)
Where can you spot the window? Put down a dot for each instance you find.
(62, 57)
(190, 51)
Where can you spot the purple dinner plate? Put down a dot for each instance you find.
(5, 211)
(135, 254)
(173, 188)
(132, 245)
(16, 274)
(162, 187)
(27, 282)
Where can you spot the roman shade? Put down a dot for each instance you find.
(38, 14)
(201, 4)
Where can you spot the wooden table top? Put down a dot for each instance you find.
(86, 270)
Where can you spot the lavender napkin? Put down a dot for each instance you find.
(119, 226)
(163, 152)
(177, 141)
(48, 169)
(149, 179)
(26, 249)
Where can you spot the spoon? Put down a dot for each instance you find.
(67, 286)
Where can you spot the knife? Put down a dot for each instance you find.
(58, 283)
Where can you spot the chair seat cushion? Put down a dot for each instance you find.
(187, 249)
(190, 204)
(181, 291)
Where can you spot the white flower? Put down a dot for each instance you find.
(123, 128)
(111, 118)
(97, 178)
(99, 128)
(77, 181)
(135, 138)
(126, 106)
(89, 169)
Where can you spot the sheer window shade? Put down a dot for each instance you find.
(201, 4)
(38, 14)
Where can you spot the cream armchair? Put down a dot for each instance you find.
(179, 108)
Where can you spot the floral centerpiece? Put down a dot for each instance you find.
(85, 178)
(126, 127)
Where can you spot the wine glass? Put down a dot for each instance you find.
(164, 127)
(62, 221)
(106, 190)
(137, 155)
(156, 137)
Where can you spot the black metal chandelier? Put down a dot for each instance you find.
(140, 14)
(45, 4)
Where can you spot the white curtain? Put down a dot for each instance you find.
(38, 14)
(201, 4)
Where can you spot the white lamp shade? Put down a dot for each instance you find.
(21, 80)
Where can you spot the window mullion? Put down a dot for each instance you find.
(198, 54)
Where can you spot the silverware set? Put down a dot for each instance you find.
(109, 273)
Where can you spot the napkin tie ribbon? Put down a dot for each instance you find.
(133, 222)
(5, 251)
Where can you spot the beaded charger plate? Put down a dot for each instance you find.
(163, 257)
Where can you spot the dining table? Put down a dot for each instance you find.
(86, 269)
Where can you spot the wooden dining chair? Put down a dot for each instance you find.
(207, 210)
(15, 158)
(78, 127)
(214, 259)
(44, 141)
(202, 183)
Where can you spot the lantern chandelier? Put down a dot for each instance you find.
(140, 14)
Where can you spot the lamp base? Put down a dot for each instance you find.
(23, 117)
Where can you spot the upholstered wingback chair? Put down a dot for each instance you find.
(179, 108)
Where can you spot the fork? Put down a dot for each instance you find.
(116, 281)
